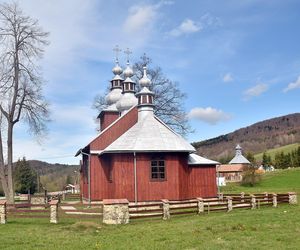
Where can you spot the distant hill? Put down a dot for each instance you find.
(44, 168)
(267, 134)
(54, 176)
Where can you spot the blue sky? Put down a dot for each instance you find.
(238, 62)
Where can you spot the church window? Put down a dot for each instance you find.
(158, 170)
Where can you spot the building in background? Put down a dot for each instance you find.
(233, 172)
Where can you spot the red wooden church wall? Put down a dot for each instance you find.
(108, 118)
(182, 181)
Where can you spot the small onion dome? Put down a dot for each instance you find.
(145, 81)
(117, 70)
(127, 101)
(113, 96)
(128, 72)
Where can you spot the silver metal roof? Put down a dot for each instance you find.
(239, 159)
(195, 159)
(150, 135)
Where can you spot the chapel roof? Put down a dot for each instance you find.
(195, 159)
(150, 135)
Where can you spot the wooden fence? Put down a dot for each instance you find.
(124, 212)
(225, 202)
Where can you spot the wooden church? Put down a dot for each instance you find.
(136, 155)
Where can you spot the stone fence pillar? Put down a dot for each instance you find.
(54, 211)
(200, 205)
(221, 196)
(115, 211)
(242, 197)
(274, 200)
(292, 198)
(3, 212)
(229, 203)
(253, 201)
(166, 209)
(266, 196)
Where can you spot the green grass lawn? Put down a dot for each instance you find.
(287, 180)
(271, 152)
(265, 228)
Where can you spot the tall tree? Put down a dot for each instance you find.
(22, 43)
(25, 178)
(169, 99)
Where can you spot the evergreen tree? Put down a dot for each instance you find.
(250, 157)
(25, 177)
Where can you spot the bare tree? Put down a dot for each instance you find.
(169, 99)
(22, 43)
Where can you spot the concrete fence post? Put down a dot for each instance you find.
(242, 197)
(253, 201)
(292, 198)
(229, 203)
(200, 205)
(3, 218)
(54, 211)
(115, 211)
(166, 209)
(274, 200)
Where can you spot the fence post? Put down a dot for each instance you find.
(274, 200)
(115, 211)
(200, 205)
(292, 198)
(3, 212)
(229, 203)
(266, 196)
(242, 197)
(221, 196)
(54, 211)
(166, 209)
(253, 201)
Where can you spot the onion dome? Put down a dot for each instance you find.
(128, 72)
(145, 81)
(127, 101)
(145, 96)
(117, 70)
(113, 96)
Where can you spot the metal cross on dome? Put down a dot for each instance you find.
(128, 52)
(117, 50)
(145, 59)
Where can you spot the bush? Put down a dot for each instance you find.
(251, 178)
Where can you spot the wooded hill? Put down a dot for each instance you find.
(256, 138)
(55, 176)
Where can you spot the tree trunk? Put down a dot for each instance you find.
(10, 195)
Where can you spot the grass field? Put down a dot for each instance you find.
(265, 228)
(271, 152)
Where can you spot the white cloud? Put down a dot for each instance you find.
(188, 26)
(293, 85)
(139, 18)
(227, 77)
(209, 115)
(257, 90)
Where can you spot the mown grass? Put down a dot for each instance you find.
(265, 228)
(287, 180)
(272, 152)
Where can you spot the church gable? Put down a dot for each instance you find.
(115, 130)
